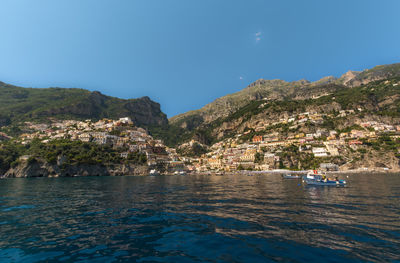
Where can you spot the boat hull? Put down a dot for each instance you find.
(291, 176)
(325, 183)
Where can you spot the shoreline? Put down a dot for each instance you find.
(299, 172)
(279, 172)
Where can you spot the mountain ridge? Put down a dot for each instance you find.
(21, 104)
(279, 89)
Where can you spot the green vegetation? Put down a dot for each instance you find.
(9, 153)
(195, 150)
(12, 130)
(65, 151)
(258, 157)
(292, 158)
(171, 135)
(74, 152)
(384, 143)
(137, 158)
(350, 128)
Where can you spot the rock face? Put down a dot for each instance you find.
(4, 137)
(354, 79)
(26, 104)
(374, 162)
(193, 148)
(39, 168)
(145, 111)
(349, 76)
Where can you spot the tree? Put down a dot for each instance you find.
(258, 158)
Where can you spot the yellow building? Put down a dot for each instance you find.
(215, 163)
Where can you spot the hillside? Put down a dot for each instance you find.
(29, 104)
(349, 129)
(377, 101)
(272, 90)
(206, 125)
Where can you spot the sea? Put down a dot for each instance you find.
(199, 218)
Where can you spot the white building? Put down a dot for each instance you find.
(319, 152)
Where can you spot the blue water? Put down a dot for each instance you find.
(260, 218)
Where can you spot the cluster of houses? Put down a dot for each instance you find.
(120, 134)
(297, 120)
(262, 151)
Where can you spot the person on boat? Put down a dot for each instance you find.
(324, 178)
(336, 178)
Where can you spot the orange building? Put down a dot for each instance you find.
(257, 138)
(355, 142)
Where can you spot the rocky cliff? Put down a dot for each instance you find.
(40, 168)
(22, 104)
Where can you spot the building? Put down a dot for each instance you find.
(333, 151)
(355, 142)
(126, 120)
(85, 137)
(133, 147)
(319, 152)
(329, 167)
(257, 138)
(215, 163)
(249, 155)
(357, 134)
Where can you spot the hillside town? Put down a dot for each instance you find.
(122, 135)
(260, 148)
(264, 152)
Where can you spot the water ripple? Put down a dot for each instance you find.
(199, 219)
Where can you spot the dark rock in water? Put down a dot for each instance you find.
(39, 168)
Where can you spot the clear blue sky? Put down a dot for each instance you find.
(186, 53)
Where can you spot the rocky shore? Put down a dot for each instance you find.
(41, 168)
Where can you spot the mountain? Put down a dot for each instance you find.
(271, 90)
(230, 114)
(19, 104)
(377, 101)
(372, 109)
(27, 104)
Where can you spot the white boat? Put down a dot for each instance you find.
(314, 178)
(154, 172)
(291, 176)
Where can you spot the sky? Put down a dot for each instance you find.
(186, 53)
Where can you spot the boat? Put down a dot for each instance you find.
(291, 176)
(315, 178)
(154, 172)
(182, 173)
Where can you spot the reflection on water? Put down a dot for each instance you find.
(199, 218)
